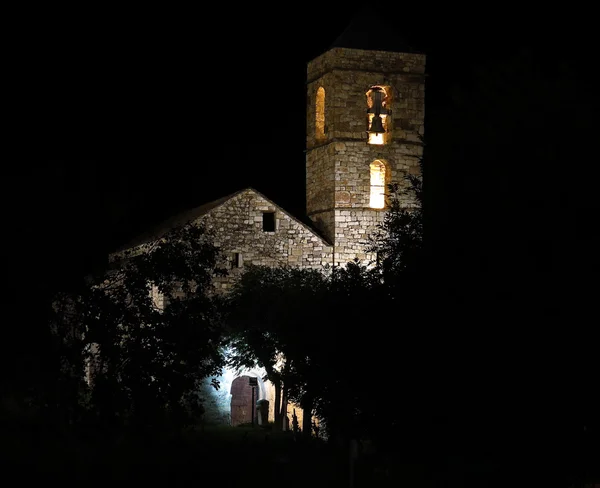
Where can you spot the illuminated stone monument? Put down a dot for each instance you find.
(364, 126)
(365, 119)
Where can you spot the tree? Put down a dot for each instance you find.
(350, 346)
(146, 361)
(321, 334)
(271, 317)
(398, 240)
(307, 329)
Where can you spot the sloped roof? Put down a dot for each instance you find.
(371, 31)
(177, 220)
(190, 215)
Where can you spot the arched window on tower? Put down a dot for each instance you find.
(320, 114)
(378, 114)
(378, 176)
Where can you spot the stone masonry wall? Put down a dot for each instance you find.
(367, 60)
(237, 225)
(346, 75)
(320, 184)
(238, 228)
(352, 169)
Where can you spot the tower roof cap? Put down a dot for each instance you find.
(370, 30)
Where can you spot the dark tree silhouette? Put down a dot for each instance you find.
(273, 321)
(145, 360)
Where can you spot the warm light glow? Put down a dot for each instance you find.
(377, 184)
(320, 113)
(386, 96)
(375, 138)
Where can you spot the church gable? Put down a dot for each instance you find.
(365, 119)
(251, 229)
(248, 228)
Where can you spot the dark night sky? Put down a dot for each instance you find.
(118, 113)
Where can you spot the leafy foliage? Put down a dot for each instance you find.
(324, 336)
(312, 332)
(146, 361)
(269, 309)
(398, 241)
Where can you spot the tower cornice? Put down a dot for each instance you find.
(401, 75)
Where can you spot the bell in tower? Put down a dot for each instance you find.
(377, 112)
(376, 125)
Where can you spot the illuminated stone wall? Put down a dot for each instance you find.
(237, 225)
(238, 228)
(337, 169)
(320, 180)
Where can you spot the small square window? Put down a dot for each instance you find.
(269, 221)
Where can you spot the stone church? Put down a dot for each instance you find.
(364, 122)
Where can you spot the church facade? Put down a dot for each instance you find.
(365, 119)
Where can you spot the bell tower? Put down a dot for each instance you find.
(365, 116)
